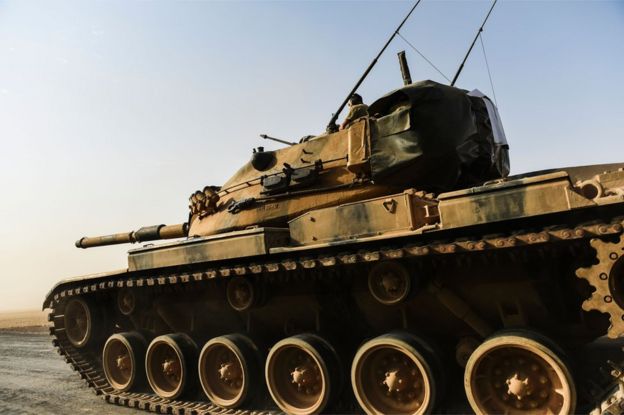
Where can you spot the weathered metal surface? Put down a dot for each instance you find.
(308, 260)
(513, 199)
(332, 150)
(359, 147)
(89, 279)
(407, 211)
(240, 244)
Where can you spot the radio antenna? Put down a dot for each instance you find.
(331, 126)
(472, 45)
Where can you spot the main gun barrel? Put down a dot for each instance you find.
(146, 233)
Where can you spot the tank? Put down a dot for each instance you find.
(392, 266)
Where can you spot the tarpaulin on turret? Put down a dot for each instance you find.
(427, 135)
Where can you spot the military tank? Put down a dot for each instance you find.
(389, 267)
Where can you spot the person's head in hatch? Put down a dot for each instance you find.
(355, 99)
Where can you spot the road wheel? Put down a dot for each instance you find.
(302, 374)
(78, 321)
(227, 367)
(519, 373)
(397, 373)
(170, 363)
(122, 359)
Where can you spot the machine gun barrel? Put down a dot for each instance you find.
(144, 234)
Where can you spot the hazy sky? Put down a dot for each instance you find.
(112, 113)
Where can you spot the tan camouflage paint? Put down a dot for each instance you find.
(407, 211)
(510, 199)
(386, 217)
(239, 244)
(345, 162)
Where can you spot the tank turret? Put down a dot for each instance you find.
(426, 136)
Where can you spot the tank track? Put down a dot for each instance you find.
(84, 362)
(94, 378)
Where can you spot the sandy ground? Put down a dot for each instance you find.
(34, 379)
(23, 319)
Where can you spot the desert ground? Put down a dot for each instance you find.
(30, 320)
(34, 379)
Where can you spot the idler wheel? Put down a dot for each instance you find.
(228, 366)
(122, 360)
(170, 363)
(302, 374)
(240, 294)
(519, 373)
(397, 373)
(389, 282)
(126, 301)
(78, 320)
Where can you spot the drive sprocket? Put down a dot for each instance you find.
(607, 277)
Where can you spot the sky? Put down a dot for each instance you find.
(113, 112)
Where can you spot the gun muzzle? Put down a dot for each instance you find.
(147, 233)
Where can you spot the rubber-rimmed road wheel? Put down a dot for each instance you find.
(519, 373)
(78, 321)
(171, 364)
(122, 360)
(229, 369)
(397, 373)
(302, 374)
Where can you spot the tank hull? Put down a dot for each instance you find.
(471, 271)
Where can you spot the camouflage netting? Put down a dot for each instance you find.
(434, 137)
